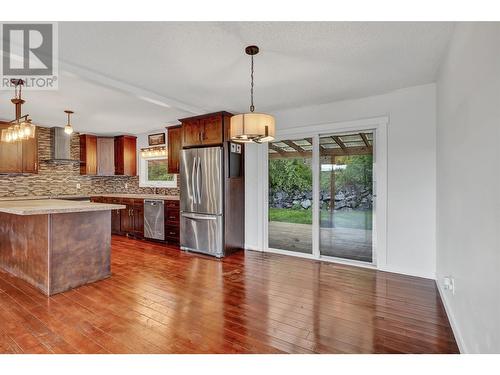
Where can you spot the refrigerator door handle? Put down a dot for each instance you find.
(199, 180)
(199, 217)
(193, 174)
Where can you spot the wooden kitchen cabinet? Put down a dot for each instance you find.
(132, 218)
(30, 154)
(88, 154)
(212, 130)
(19, 157)
(126, 155)
(10, 157)
(174, 148)
(191, 133)
(105, 156)
(126, 219)
(206, 130)
(172, 227)
(138, 220)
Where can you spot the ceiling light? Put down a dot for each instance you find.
(68, 129)
(252, 126)
(19, 130)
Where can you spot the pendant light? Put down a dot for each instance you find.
(252, 127)
(68, 129)
(19, 130)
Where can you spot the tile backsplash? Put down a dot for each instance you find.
(62, 179)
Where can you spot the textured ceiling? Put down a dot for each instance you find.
(135, 77)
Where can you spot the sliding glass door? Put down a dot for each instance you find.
(320, 194)
(346, 196)
(290, 195)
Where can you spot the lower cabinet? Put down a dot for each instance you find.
(132, 217)
(130, 220)
(172, 222)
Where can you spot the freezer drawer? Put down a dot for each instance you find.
(202, 233)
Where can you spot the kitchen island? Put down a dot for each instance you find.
(56, 245)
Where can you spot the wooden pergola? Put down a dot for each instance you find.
(334, 145)
(330, 146)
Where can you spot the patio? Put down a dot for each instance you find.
(348, 243)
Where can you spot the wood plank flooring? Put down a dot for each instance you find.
(162, 300)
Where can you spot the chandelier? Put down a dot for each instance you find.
(252, 126)
(21, 128)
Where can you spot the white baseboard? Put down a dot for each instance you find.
(454, 326)
(252, 247)
(393, 269)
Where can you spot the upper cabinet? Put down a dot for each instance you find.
(30, 154)
(203, 130)
(19, 157)
(174, 148)
(105, 156)
(126, 155)
(88, 154)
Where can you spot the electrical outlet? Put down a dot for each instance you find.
(449, 284)
(78, 186)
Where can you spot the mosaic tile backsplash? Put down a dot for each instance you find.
(62, 179)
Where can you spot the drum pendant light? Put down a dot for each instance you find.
(252, 127)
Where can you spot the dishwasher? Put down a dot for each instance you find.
(154, 219)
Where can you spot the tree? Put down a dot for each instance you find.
(289, 175)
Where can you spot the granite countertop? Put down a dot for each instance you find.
(139, 196)
(117, 195)
(53, 206)
(38, 197)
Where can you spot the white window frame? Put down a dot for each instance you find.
(143, 172)
(379, 127)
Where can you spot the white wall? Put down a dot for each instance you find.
(411, 189)
(468, 199)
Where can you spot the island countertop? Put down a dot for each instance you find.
(53, 206)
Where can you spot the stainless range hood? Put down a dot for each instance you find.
(61, 146)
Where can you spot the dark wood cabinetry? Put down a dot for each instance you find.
(172, 215)
(126, 155)
(30, 155)
(206, 130)
(19, 157)
(105, 156)
(130, 220)
(88, 154)
(174, 148)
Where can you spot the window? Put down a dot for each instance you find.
(153, 173)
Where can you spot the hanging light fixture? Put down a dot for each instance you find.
(19, 130)
(68, 129)
(152, 152)
(252, 127)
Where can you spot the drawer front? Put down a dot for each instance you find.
(172, 216)
(172, 204)
(172, 231)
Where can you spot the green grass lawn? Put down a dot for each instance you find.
(357, 219)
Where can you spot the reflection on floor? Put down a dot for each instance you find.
(163, 300)
(355, 244)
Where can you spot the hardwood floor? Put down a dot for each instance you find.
(162, 300)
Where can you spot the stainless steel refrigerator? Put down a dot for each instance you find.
(201, 204)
